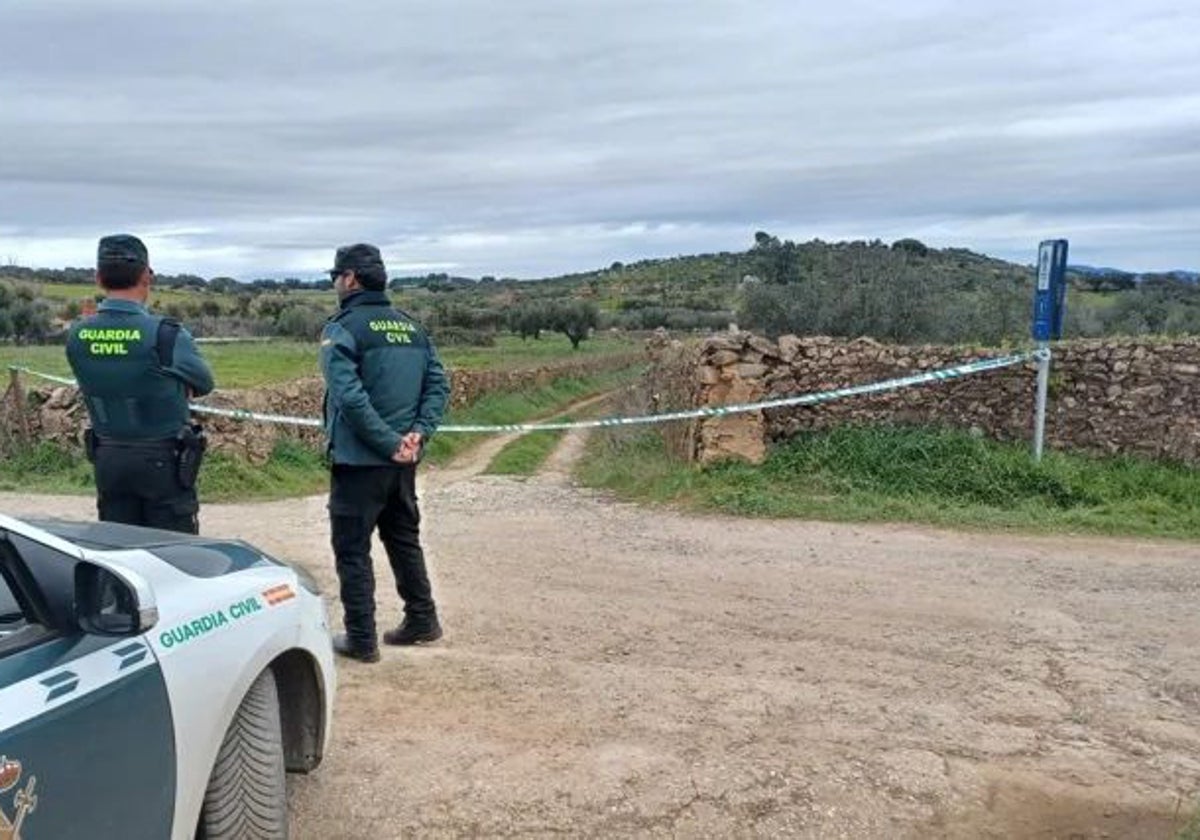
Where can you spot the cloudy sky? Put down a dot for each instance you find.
(524, 138)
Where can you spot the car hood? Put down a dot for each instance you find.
(197, 556)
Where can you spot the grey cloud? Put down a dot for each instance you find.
(538, 137)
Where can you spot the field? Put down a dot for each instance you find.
(247, 365)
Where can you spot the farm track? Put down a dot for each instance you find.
(614, 670)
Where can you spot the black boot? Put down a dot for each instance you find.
(342, 646)
(412, 632)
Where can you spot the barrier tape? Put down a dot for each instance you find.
(243, 414)
(61, 380)
(941, 375)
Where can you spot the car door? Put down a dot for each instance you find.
(86, 739)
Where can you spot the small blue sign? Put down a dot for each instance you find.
(1050, 295)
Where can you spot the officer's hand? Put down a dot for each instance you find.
(409, 449)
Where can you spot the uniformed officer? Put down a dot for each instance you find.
(385, 394)
(136, 372)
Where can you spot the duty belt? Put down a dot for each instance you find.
(137, 443)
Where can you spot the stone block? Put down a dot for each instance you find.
(716, 343)
(790, 347)
(751, 371)
(763, 347)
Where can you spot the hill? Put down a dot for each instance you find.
(903, 291)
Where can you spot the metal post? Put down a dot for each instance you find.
(1043, 389)
(17, 393)
(1049, 298)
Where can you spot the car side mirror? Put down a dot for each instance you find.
(108, 604)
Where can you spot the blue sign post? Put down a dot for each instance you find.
(1050, 296)
(1049, 304)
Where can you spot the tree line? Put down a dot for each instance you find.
(24, 315)
(906, 292)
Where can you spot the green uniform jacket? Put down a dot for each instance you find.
(135, 370)
(383, 379)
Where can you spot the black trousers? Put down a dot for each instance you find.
(362, 499)
(136, 484)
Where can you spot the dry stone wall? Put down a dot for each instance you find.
(1125, 396)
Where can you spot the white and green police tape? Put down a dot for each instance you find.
(243, 414)
(49, 377)
(940, 375)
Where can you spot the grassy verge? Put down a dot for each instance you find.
(248, 365)
(46, 468)
(942, 478)
(294, 469)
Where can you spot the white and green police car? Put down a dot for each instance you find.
(154, 685)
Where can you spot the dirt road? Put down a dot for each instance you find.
(610, 670)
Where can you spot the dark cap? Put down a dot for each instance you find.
(122, 247)
(360, 259)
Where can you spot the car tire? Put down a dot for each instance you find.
(247, 793)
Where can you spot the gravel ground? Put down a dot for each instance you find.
(615, 670)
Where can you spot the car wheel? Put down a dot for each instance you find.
(247, 795)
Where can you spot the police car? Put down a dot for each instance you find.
(154, 684)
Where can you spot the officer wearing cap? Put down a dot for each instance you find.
(136, 372)
(385, 394)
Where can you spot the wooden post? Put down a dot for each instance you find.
(19, 405)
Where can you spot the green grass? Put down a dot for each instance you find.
(943, 478)
(260, 363)
(501, 409)
(526, 454)
(293, 469)
(234, 365)
(511, 352)
(45, 358)
(46, 468)
(1191, 831)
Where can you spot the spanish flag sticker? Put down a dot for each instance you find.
(276, 595)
